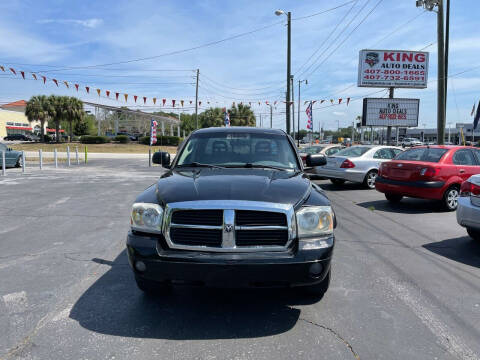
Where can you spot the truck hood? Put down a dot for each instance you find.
(233, 184)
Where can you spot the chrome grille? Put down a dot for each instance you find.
(229, 226)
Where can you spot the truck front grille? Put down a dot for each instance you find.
(229, 226)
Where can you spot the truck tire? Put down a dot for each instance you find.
(151, 287)
(319, 289)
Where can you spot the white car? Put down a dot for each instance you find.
(468, 210)
(409, 142)
(357, 164)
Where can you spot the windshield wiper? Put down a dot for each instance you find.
(260, 166)
(197, 164)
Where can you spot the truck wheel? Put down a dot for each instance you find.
(337, 181)
(321, 288)
(393, 198)
(152, 287)
(474, 234)
(369, 181)
(450, 198)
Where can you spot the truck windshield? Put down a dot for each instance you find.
(239, 150)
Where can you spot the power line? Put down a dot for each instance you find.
(400, 27)
(324, 11)
(240, 89)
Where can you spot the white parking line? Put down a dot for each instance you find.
(447, 339)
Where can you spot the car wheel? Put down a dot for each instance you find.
(318, 290)
(19, 162)
(394, 198)
(152, 287)
(337, 181)
(370, 178)
(450, 198)
(474, 234)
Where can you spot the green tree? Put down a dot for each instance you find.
(37, 109)
(242, 115)
(57, 110)
(73, 112)
(86, 126)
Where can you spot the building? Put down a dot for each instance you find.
(14, 121)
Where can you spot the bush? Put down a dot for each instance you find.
(88, 139)
(122, 139)
(162, 140)
(47, 138)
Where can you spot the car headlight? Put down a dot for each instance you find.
(147, 217)
(314, 224)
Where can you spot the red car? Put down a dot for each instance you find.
(428, 172)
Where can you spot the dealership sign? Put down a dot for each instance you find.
(393, 68)
(390, 112)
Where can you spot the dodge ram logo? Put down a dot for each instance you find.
(228, 228)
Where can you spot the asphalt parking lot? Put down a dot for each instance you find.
(405, 281)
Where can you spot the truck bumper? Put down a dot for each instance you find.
(286, 269)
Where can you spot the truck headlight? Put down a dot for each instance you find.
(314, 224)
(147, 217)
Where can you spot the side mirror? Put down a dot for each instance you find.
(161, 158)
(315, 160)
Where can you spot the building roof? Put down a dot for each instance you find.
(19, 106)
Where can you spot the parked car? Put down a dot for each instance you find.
(233, 209)
(324, 149)
(357, 164)
(17, 137)
(409, 142)
(468, 210)
(429, 172)
(13, 158)
(131, 137)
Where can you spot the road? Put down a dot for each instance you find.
(405, 282)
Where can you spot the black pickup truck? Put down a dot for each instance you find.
(234, 209)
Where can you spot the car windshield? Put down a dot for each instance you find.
(354, 151)
(239, 149)
(312, 150)
(422, 154)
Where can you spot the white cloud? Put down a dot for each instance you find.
(88, 23)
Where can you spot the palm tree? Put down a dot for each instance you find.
(37, 109)
(74, 112)
(57, 110)
(242, 115)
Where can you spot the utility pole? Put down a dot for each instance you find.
(271, 116)
(447, 41)
(441, 76)
(298, 116)
(389, 128)
(289, 54)
(196, 99)
(293, 107)
(353, 132)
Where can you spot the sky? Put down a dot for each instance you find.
(93, 43)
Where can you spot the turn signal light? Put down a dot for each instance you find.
(347, 164)
(469, 189)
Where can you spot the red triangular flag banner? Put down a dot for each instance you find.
(66, 84)
(98, 92)
(266, 102)
(154, 101)
(314, 101)
(34, 76)
(199, 103)
(44, 79)
(55, 81)
(135, 98)
(23, 74)
(116, 96)
(348, 101)
(76, 86)
(126, 97)
(340, 101)
(144, 100)
(173, 103)
(107, 92)
(1, 67)
(164, 101)
(88, 89)
(321, 102)
(13, 71)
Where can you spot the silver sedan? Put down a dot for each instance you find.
(357, 164)
(468, 210)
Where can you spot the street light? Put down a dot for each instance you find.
(287, 98)
(298, 116)
(441, 75)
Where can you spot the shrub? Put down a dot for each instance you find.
(47, 138)
(122, 139)
(88, 139)
(162, 140)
